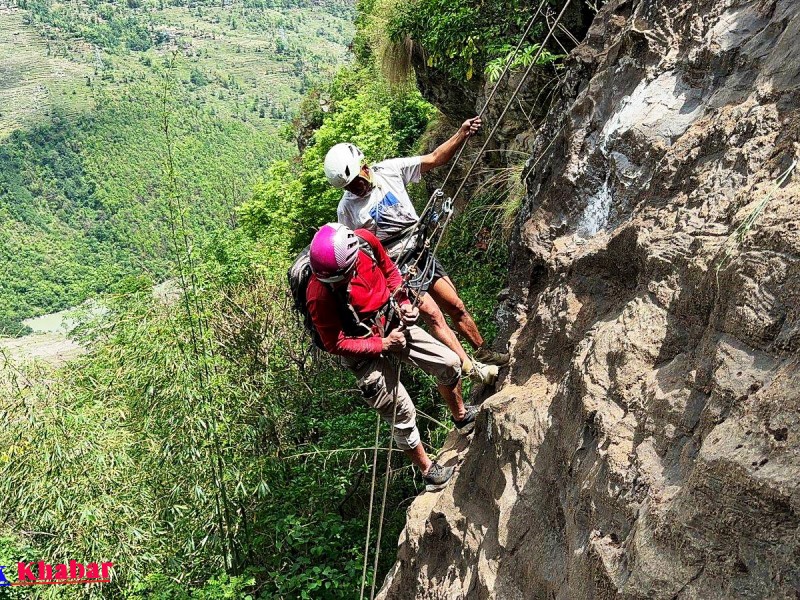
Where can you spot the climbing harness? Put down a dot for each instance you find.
(416, 261)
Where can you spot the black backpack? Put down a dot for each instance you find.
(299, 274)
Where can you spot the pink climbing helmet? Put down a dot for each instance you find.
(333, 252)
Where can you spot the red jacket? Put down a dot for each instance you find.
(369, 290)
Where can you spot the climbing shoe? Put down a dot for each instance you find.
(490, 357)
(481, 373)
(467, 424)
(437, 477)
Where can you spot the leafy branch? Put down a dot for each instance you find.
(494, 68)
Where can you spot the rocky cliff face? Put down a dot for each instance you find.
(645, 441)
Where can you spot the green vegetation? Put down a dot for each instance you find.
(35, 80)
(295, 198)
(241, 59)
(461, 37)
(495, 67)
(168, 448)
(79, 211)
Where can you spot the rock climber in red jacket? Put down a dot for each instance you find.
(369, 287)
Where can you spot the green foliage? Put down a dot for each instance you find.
(79, 211)
(198, 444)
(114, 27)
(269, 214)
(138, 25)
(11, 327)
(126, 443)
(12, 549)
(296, 198)
(78, 193)
(462, 37)
(198, 78)
(476, 259)
(157, 586)
(524, 58)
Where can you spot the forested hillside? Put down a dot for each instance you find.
(86, 90)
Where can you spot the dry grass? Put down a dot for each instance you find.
(396, 61)
(736, 239)
(394, 57)
(505, 186)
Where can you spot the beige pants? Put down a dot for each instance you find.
(377, 378)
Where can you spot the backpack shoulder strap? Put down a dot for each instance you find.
(351, 322)
(367, 247)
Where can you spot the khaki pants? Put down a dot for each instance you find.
(377, 378)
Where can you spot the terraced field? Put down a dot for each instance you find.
(254, 64)
(249, 63)
(34, 82)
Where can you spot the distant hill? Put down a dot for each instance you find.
(82, 145)
(32, 79)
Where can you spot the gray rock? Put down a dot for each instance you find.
(645, 441)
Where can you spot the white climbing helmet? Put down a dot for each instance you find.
(343, 164)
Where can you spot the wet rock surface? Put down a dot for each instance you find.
(644, 442)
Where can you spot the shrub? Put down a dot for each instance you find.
(460, 37)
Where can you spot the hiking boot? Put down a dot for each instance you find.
(467, 424)
(437, 477)
(490, 357)
(481, 373)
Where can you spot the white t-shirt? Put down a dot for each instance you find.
(387, 209)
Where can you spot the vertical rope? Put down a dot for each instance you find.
(506, 68)
(385, 483)
(371, 502)
(513, 97)
(428, 206)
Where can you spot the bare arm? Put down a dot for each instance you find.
(447, 150)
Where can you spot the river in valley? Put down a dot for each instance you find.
(50, 342)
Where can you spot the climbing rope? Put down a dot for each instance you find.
(427, 232)
(511, 100)
(371, 496)
(512, 57)
(425, 250)
(385, 482)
